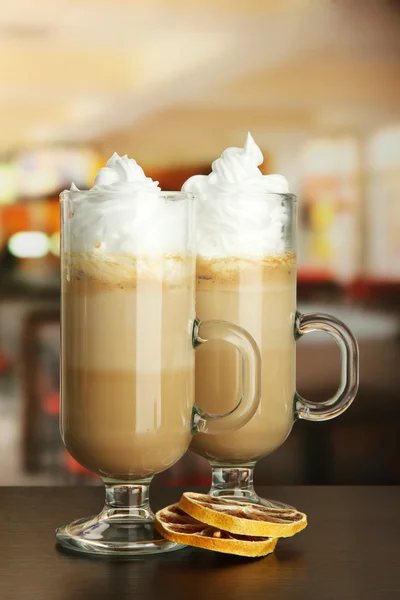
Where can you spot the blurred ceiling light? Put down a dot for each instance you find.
(55, 243)
(29, 244)
(87, 108)
(44, 133)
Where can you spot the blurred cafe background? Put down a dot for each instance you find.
(173, 83)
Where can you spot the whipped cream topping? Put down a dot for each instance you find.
(124, 213)
(239, 210)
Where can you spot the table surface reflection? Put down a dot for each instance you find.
(350, 551)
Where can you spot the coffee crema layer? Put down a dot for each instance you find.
(127, 363)
(124, 270)
(234, 270)
(260, 296)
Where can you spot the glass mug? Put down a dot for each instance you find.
(128, 339)
(260, 296)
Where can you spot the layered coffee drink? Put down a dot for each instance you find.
(246, 273)
(129, 333)
(259, 296)
(127, 303)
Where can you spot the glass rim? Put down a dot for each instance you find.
(168, 195)
(289, 196)
(174, 196)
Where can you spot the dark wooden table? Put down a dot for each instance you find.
(350, 551)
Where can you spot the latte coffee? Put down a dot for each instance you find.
(127, 363)
(259, 295)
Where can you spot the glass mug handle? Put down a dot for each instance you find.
(335, 406)
(205, 331)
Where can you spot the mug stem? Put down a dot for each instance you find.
(128, 500)
(235, 482)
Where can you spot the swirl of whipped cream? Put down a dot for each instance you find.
(121, 169)
(124, 213)
(239, 210)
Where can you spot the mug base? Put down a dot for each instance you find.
(113, 537)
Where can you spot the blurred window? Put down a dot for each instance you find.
(330, 207)
(383, 203)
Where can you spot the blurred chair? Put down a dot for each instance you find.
(42, 447)
(318, 286)
(381, 294)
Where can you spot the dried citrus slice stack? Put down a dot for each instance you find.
(226, 525)
(243, 518)
(175, 525)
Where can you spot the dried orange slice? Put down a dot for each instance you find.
(176, 526)
(243, 518)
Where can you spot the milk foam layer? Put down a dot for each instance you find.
(125, 271)
(124, 213)
(239, 211)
